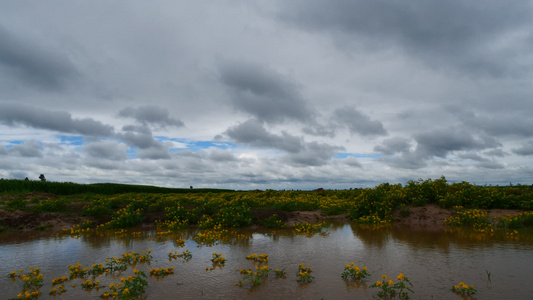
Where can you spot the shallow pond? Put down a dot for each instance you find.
(434, 261)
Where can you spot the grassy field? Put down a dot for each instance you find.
(113, 206)
(69, 188)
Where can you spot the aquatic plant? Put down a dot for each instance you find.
(390, 289)
(134, 285)
(161, 272)
(97, 269)
(309, 229)
(88, 284)
(512, 235)
(77, 271)
(280, 273)
(354, 272)
(258, 258)
(304, 274)
(218, 259)
(57, 290)
(464, 289)
(59, 280)
(255, 277)
(32, 281)
(185, 255)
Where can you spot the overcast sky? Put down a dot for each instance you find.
(267, 94)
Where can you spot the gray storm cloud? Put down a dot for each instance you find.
(12, 114)
(460, 34)
(151, 115)
(263, 92)
(358, 123)
(33, 63)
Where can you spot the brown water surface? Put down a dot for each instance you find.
(434, 261)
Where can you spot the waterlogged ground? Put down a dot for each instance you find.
(433, 260)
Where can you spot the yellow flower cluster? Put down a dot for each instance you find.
(304, 273)
(352, 270)
(161, 272)
(464, 289)
(309, 229)
(211, 237)
(87, 284)
(175, 255)
(77, 271)
(259, 258)
(60, 289)
(26, 295)
(218, 259)
(513, 235)
(59, 280)
(32, 281)
(477, 218)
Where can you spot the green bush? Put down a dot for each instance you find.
(273, 221)
(52, 205)
(16, 204)
(126, 217)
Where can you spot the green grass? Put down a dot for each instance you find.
(13, 186)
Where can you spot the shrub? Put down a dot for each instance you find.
(52, 205)
(16, 204)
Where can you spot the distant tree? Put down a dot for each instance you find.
(26, 179)
(42, 177)
(191, 187)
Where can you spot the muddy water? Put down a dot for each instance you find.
(433, 261)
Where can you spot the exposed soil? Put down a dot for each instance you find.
(432, 216)
(312, 217)
(429, 216)
(34, 221)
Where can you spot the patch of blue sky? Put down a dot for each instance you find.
(132, 153)
(10, 144)
(73, 140)
(195, 145)
(341, 155)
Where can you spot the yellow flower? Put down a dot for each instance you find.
(384, 276)
(379, 283)
(390, 282)
(401, 276)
